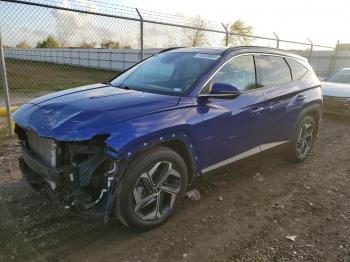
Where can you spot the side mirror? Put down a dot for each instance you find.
(221, 90)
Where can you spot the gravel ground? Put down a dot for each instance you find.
(261, 209)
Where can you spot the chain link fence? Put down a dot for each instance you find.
(53, 45)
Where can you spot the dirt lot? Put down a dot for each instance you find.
(264, 200)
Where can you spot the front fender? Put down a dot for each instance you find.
(132, 137)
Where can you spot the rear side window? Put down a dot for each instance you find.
(298, 70)
(272, 70)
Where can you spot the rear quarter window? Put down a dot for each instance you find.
(272, 70)
(298, 70)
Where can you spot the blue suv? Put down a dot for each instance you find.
(131, 146)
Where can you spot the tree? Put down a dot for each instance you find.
(23, 44)
(87, 45)
(109, 44)
(49, 42)
(240, 28)
(62, 38)
(197, 37)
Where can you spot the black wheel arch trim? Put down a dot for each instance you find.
(312, 110)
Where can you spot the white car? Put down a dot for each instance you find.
(336, 93)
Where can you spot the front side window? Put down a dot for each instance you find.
(342, 76)
(272, 70)
(239, 72)
(171, 73)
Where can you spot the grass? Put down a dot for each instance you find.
(31, 77)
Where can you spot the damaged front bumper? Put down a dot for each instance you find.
(87, 186)
(34, 171)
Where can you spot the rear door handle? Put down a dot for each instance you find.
(301, 97)
(257, 109)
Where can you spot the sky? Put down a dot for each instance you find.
(324, 22)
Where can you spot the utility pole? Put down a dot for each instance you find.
(141, 35)
(5, 86)
(227, 35)
(277, 39)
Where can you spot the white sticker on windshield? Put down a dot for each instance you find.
(177, 89)
(207, 56)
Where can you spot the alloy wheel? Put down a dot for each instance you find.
(304, 140)
(156, 190)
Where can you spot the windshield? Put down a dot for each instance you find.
(342, 76)
(171, 73)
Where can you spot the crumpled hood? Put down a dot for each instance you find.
(335, 89)
(80, 113)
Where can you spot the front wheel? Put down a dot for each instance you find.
(151, 189)
(302, 141)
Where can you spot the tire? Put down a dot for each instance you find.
(302, 141)
(155, 178)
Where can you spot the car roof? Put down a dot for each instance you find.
(214, 50)
(226, 50)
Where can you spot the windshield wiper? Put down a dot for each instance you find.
(125, 87)
(120, 86)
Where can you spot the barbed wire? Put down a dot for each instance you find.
(124, 12)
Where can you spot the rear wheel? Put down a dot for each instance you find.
(151, 189)
(303, 140)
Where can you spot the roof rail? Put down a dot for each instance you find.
(169, 49)
(266, 49)
(252, 46)
(228, 49)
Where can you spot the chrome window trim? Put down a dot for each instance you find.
(253, 54)
(217, 70)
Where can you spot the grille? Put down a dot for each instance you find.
(336, 99)
(43, 148)
(336, 103)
